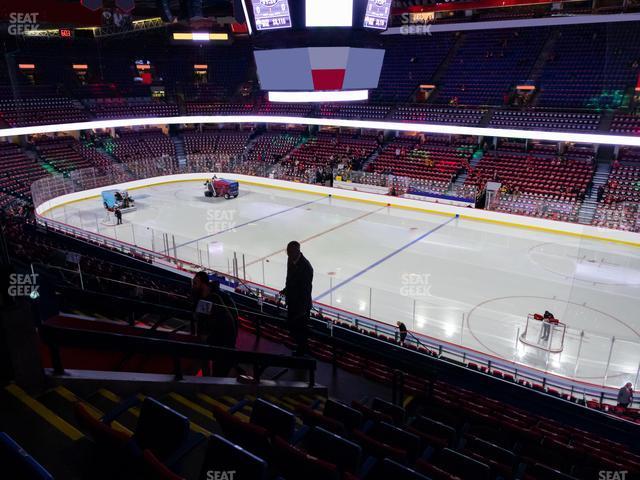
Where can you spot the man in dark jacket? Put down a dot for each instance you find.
(216, 320)
(118, 213)
(297, 291)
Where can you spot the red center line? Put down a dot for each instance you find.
(313, 237)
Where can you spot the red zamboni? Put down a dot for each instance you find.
(219, 187)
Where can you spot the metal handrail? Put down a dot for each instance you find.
(56, 337)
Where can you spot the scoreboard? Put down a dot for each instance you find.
(271, 14)
(377, 15)
(316, 15)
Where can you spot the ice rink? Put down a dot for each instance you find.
(462, 281)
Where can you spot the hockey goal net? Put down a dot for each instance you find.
(544, 334)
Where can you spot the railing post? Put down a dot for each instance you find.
(56, 360)
(414, 314)
(312, 377)
(177, 368)
(575, 370)
(244, 268)
(606, 370)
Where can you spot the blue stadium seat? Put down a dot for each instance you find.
(17, 464)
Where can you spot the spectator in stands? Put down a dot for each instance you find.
(215, 318)
(297, 291)
(625, 395)
(402, 332)
(118, 213)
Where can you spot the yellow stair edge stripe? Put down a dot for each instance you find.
(95, 412)
(192, 405)
(280, 402)
(407, 400)
(62, 425)
(211, 401)
(109, 395)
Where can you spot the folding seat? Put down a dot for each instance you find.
(389, 469)
(433, 433)
(293, 463)
(538, 470)
(224, 456)
(276, 420)
(17, 463)
(462, 465)
(395, 411)
(345, 454)
(252, 437)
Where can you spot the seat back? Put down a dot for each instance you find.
(396, 411)
(349, 417)
(313, 418)
(328, 446)
(160, 429)
(391, 469)
(434, 427)
(14, 459)
(276, 420)
(463, 466)
(398, 437)
(251, 437)
(293, 463)
(225, 456)
(543, 471)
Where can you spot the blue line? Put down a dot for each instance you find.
(250, 221)
(385, 258)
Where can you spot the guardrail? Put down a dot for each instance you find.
(333, 315)
(56, 337)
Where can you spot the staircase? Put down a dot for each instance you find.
(606, 120)
(590, 203)
(371, 158)
(66, 449)
(181, 155)
(538, 67)
(460, 179)
(443, 67)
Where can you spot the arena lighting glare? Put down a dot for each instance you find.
(329, 13)
(313, 97)
(331, 122)
(200, 36)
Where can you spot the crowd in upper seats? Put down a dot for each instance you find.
(578, 67)
(536, 180)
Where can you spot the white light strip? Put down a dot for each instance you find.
(200, 36)
(246, 15)
(602, 139)
(319, 97)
